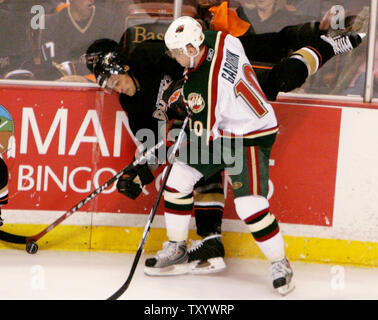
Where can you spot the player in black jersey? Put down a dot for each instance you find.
(146, 70)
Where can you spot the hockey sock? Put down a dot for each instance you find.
(265, 230)
(255, 212)
(178, 210)
(273, 248)
(177, 226)
(209, 205)
(208, 211)
(208, 220)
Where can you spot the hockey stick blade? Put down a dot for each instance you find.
(19, 239)
(139, 252)
(12, 238)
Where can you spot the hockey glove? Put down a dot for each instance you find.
(286, 76)
(132, 182)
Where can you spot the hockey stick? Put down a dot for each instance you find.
(146, 231)
(30, 240)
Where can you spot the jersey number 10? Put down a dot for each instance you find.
(250, 92)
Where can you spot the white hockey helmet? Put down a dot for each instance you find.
(183, 31)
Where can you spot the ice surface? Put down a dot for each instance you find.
(60, 275)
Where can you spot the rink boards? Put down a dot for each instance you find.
(68, 141)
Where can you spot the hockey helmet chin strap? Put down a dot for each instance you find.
(191, 62)
(193, 57)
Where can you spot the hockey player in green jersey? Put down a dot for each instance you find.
(230, 115)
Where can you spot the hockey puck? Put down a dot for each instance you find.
(31, 247)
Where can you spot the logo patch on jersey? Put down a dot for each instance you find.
(196, 102)
(174, 96)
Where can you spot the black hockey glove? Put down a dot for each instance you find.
(285, 76)
(132, 182)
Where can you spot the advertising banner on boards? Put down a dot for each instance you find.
(68, 141)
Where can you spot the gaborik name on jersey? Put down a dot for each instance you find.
(230, 69)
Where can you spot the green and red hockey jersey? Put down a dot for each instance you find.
(224, 95)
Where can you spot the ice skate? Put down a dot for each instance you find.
(206, 255)
(282, 275)
(344, 42)
(172, 260)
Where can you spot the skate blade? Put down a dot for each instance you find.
(284, 290)
(173, 270)
(212, 265)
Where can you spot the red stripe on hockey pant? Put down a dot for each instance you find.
(214, 80)
(256, 150)
(253, 170)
